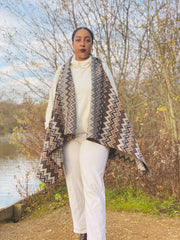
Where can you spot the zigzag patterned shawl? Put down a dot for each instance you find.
(107, 125)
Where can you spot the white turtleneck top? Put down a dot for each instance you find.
(81, 73)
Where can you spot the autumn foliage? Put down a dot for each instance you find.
(139, 40)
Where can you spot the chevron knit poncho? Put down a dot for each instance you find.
(107, 124)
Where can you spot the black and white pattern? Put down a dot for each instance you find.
(107, 125)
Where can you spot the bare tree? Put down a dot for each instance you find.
(138, 40)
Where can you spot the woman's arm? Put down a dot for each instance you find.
(52, 97)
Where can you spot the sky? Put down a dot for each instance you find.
(22, 65)
(13, 73)
(8, 85)
(7, 21)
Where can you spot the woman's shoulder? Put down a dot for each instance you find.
(109, 74)
(104, 64)
(59, 68)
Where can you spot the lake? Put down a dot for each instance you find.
(17, 175)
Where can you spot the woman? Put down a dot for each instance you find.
(84, 121)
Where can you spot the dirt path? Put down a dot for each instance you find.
(120, 226)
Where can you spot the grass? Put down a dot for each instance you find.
(137, 201)
(116, 200)
(46, 202)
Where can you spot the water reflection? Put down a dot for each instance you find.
(14, 172)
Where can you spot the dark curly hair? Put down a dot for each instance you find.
(87, 29)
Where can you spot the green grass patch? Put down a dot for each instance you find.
(116, 200)
(46, 202)
(138, 201)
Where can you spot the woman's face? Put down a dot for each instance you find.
(82, 45)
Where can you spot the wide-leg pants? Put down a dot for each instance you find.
(84, 167)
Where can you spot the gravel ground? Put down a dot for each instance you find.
(120, 226)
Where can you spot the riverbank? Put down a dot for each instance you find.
(120, 226)
(17, 174)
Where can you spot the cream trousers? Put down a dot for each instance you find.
(84, 167)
